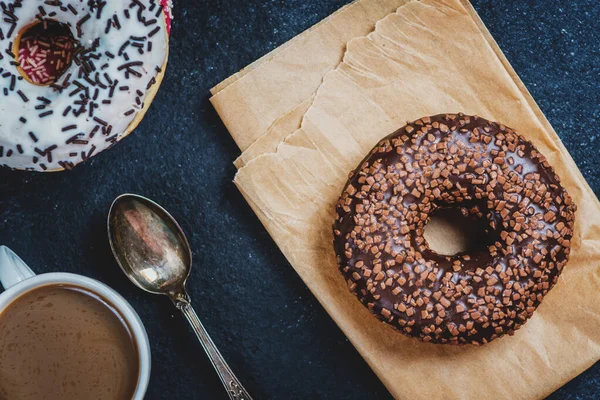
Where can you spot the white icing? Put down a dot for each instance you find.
(48, 130)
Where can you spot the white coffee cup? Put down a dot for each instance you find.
(17, 279)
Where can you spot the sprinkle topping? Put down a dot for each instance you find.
(45, 52)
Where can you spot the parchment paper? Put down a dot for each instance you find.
(429, 57)
(277, 133)
(296, 70)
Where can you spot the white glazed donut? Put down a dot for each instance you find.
(120, 52)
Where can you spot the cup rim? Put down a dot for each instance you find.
(115, 299)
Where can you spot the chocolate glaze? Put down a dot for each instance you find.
(491, 173)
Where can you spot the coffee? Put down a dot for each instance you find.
(65, 342)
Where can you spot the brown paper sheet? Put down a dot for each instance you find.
(296, 70)
(276, 134)
(429, 57)
(372, 11)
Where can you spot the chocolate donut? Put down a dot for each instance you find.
(492, 174)
(76, 76)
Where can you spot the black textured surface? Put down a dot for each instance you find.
(270, 328)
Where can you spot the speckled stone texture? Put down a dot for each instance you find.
(267, 324)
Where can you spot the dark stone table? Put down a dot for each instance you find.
(274, 333)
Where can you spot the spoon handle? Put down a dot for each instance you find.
(233, 386)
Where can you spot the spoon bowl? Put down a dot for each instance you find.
(149, 245)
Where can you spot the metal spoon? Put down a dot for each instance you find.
(152, 250)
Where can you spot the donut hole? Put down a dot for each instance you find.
(44, 51)
(450, 232)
